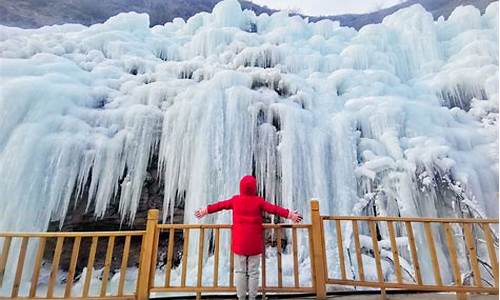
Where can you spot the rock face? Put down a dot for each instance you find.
(81, 219)
(33, 13)
(436, 7)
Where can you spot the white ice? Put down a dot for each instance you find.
(398, 118)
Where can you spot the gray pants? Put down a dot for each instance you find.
(247, 275)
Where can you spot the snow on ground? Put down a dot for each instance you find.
(398, 118)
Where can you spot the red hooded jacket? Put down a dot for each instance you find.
(247, 229)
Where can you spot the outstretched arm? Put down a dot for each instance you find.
(215, 207)
(282, 212)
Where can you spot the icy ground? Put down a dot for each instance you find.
(400, 118)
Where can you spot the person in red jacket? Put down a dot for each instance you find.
(247, 232)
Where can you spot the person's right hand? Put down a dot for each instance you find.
(201, 212)
(295, 216)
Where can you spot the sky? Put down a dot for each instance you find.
(329, 7)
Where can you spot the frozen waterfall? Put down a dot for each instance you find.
(399, 118)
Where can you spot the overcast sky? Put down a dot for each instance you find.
(329, 7)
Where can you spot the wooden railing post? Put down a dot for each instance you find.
(146, 256)
(317, 252)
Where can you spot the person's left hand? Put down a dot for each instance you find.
(201, 212)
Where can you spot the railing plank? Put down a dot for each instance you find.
(395, 252)
(318, 250)
(170, 256)
(452, 250)
(36, 267)
(72, 234)
(263, 269)
(185, 252)
(216, 256)
(146, 266)
(55, 266)
(123, 267)
(72, 267)
(295, 258)
(20, 266)
(311, 252)
(154, 257)
(378, 263)
(201, 242)
(279, 257)
(413, 251)
(323, 249)
(357, 248)
(469, 240)
(107, 266)
(5, 254)
(432, 250)
(340, 247)
(90, 267)
(491, 251)
(376, 251)
(199, 288)
(231, 265)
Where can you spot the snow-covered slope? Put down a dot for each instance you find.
(400, 118)
(34, 13)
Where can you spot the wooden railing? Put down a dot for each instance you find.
(470, 253)
(401, 249)
(39, 240)
(215, 286)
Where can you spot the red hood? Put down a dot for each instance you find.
(248, 186)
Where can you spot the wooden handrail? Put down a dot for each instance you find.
(470, 240)
(430, 229)
(227, 226)
(63, 239)
(409, 219)
(216, 229)
(73, 234)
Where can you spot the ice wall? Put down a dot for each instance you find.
(400, 118)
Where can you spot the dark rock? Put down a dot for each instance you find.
(78, 219)
(35, 13)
